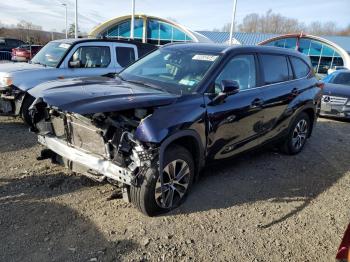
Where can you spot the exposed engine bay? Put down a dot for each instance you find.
(101, 145)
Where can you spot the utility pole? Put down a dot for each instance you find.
(132, 19)
(233, 20)
(76, 19)
(65, 5)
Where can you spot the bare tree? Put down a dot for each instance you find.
(227, 27)
(276, 23)
(250, 23)
(346, 31)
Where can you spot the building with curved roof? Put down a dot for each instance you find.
(325, 52)
(148, 29)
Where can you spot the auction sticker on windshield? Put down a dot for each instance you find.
(210, 58)
(65, 46)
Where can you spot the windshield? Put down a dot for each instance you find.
(175, 71)
(51, 54)
(342, 78)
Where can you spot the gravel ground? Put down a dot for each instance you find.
(262, 206)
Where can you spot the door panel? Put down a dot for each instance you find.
(278, 92)
(276, 108)
(281, 99)
(234, 125)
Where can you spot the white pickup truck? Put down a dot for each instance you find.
(62, 59)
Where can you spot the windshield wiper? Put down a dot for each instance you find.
(143, 84)
(120, 77)
(38, 63)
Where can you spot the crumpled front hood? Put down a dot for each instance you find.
(336, 90)
(17, 67)
(98, 95)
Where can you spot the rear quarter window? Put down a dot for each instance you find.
(275, 68)
(301, 69)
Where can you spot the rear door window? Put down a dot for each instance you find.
(301, 69)
(275, 68)
(125, 55)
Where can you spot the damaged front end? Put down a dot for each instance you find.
(11, 99)
(101, 146)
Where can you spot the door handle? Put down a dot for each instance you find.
(258, 102)
(295, 92)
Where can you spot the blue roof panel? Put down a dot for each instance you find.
(255, 38)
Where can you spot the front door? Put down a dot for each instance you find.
(90, 60)
(234, 125)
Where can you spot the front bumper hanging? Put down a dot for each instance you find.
(88, 160)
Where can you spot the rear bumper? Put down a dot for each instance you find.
(89, 161)
(19, 58)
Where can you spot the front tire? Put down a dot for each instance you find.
(27, 102)
(298, 135)
(178, 172)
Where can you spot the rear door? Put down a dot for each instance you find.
(280, 93)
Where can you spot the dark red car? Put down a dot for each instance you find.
(343, 254)
(24, 53)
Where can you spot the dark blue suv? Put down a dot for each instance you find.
(154, 127)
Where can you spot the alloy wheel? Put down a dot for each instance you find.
(300, 134)
(176, 179)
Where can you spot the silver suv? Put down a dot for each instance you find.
(59, 59)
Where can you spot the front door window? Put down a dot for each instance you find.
(92, 56)
(241, 69)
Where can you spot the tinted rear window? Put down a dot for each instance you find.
(342, 79)
(125, 55)
(301, 69)
(275, 68)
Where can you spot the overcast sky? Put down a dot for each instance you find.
(195, 14)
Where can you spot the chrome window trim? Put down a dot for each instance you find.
(263, 86)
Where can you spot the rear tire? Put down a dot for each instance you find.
(298, 135)
(27, 102)
(148, 198)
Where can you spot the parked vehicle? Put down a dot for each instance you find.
(24, 53)
(154, 127)
(6, 45)
(333, 69)
(336, 97)
(343, 254)
(63, 59)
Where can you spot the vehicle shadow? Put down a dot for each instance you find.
(10, 128)
(344, 120)
(35, 228)
(266, 175)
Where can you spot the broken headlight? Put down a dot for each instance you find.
(6, 81)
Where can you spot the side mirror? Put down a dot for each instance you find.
(228, 87)
(74, 64)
